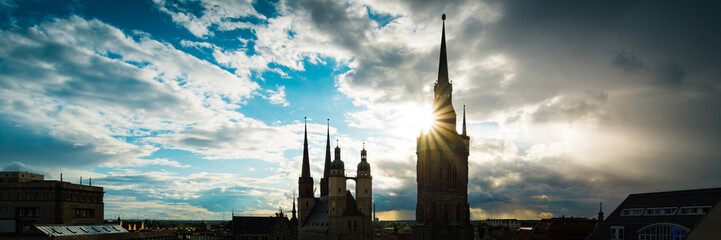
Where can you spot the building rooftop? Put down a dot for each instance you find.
(684, 208)
(77, 230)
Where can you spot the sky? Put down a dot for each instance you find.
(193, 109)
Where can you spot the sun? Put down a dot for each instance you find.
(425, 119)
(410, 119)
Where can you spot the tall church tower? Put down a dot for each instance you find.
(306, 199)
(336, 194)
(442, 210)
(364, 192)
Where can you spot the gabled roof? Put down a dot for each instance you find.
(351, 207)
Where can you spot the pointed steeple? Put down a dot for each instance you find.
(326, 169)
(464, 120)
(293, 208)
(443, 92)
(305, 174)
(443, 64)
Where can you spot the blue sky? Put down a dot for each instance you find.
(192, 109)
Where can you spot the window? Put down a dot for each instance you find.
(2, 196)
(27, 212)
(632, 212)
(616, 232)
(664, 231)
(661, 211)
(697, 210)
(84, 213)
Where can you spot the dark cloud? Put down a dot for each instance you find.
(331, 18)
(670, 74)
(628, 62)
(33, 147)
(571, 108)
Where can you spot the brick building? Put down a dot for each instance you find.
(27, 199)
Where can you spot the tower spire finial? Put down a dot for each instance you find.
(443, 64)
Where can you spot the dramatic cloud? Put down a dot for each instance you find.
(568, 104)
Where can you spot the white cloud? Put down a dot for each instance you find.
(91, 94)
(215, 13)
(277, 96)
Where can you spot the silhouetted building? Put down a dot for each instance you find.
(336, 214)
(663, 215)
(442, 210)
(277, 227)
(27, 199)
(563, 229)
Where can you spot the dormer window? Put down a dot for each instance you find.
(661, 211)
(632, 212)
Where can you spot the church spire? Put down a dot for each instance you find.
(293, 208)
(443, 91)
(464, 120)
(326, 169)
(305, 174)
(443, 63)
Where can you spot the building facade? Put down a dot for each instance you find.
(27, 199)
(442, 210)
(662, 215)
(336, 214)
